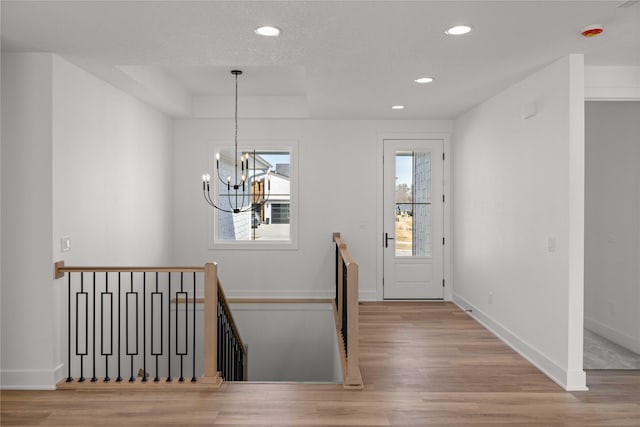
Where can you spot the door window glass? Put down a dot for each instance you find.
(413, 235)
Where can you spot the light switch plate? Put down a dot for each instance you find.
(65, 244)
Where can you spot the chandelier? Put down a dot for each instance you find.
(246, 191)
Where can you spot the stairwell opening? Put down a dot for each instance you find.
(289, 342)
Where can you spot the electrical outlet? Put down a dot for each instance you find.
(551, 243)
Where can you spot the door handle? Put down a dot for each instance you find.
(386, 240)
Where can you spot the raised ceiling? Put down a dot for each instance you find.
(334, 59)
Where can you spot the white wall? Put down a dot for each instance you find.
(517, 183)
(612, 234)
(28, 321)
(111, 173)
(80, 159)
(338, 167)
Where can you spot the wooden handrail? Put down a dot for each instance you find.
(352, 378)
(60, 269)
(346, 256)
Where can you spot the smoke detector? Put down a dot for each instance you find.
(592, 30)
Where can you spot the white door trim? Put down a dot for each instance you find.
(446, 188)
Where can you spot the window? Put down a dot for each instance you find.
(267, 219)
(413, 204)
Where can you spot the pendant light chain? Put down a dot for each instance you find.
(236, 191)
(236, 126)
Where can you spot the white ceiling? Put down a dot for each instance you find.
(344, 59)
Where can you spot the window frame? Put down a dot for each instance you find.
(259, 145)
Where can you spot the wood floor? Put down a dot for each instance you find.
(423, 364)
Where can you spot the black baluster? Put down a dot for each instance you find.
(228, 348)
(345, 288)
(144, 327)
(232, 354)
(132, 378)
(179, 352)
(224, 347)
(228, 340)
(169, 379)
(119, 378)
(230, 359)
(193, 357)
(219, 355)
(153, 352)
(240, 362)
(235, 359)
(223, 368)
(102, 351)
(86, 328)
(337, 276)
(243, 366)
(93, 341)
(69, 378)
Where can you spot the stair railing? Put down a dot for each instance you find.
(232, 352)
(347, 314)
(123, 318)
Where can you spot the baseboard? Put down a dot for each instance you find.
(368, 295)
(568, 380)
(31, 379)
(59, 373)
(620, 338)
(288, 294)
(280, 306)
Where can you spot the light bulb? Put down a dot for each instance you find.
(268, 31)
(458, 30)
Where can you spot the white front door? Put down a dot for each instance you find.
(413, 221)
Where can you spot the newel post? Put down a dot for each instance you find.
(211, 374)
(354, 377)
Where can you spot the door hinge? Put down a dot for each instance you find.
(443, 240)
(443, 283)
(442, 156)
(443, 198)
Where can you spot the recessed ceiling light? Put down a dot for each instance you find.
(268, 31)
(424, 80)
(458, 30)
(397, 107)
